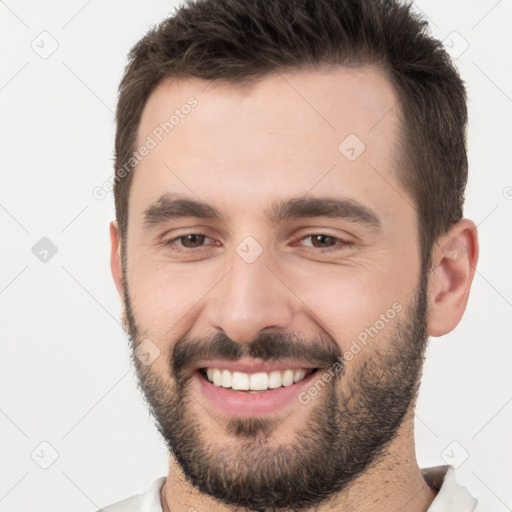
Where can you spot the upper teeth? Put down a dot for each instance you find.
(254, 381)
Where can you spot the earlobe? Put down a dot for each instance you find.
(115, 257)
(454, 258)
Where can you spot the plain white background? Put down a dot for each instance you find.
(66, 380)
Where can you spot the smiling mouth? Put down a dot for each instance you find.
(254, 382)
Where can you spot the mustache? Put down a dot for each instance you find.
(272, 346)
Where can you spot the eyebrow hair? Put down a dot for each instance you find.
(169, 207)
(324, 207)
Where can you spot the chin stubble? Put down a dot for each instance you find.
(347, 430)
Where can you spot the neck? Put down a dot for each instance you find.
(394, 482)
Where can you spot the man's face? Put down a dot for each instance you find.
(285, 250)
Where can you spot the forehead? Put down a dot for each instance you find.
(327, 131)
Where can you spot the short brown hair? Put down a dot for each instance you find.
(243, 40)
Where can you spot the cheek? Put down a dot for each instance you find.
(165, 297)
(353, 305)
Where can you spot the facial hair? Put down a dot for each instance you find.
(346, 431)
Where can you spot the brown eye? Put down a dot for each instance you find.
(191, 241)
(322, 241)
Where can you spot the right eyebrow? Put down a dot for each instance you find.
(169, 207)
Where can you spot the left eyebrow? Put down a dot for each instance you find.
(169, 207)
(344, 208)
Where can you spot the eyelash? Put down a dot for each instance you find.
(170, 243)
(341, 244)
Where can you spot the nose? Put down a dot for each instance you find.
(249, 299)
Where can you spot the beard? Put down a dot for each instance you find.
(348, 429)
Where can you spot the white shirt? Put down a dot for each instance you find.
(451, 496)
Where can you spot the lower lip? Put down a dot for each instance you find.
(245, 404)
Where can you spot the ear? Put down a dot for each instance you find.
(454, 258)
(115, 257)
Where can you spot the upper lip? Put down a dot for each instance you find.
(249, 365)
